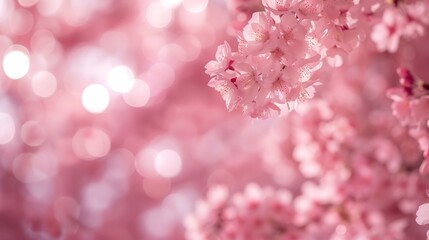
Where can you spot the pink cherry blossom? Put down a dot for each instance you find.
(257, 213)
(423, 214)
(387, 33)
(294, 33)
(411, 106)
(277, 6)
(259, 35)
(400, 21)
(223, 60)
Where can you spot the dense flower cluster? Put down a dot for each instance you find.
(411, 106)
(350, 167)
(258, 213)
(282, 49)
(323, 211)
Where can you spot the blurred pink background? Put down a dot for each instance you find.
(107, 127)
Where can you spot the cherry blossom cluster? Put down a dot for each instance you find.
(282, 48)
(423, 215)
(324, 211)
(411, 106)
(352, 169)
(258, 213)
(357, 170)
(280, 51)
(400, 19)
(348, 168)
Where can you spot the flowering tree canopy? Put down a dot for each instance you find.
(360, 172)
(112, 127)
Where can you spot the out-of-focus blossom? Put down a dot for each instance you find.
(403, 20)
(411, 106)
(423, 214)
(257, 213)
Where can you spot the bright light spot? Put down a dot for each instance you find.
(168, 163)
(16, 62)
(91, 143)
(195, 5)
(44, 84)
(7, 128)
(171, 3)
(158, 15)
(121, 79)
(32, 133)
(139, 94)
(95, 98)
(6, 10)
